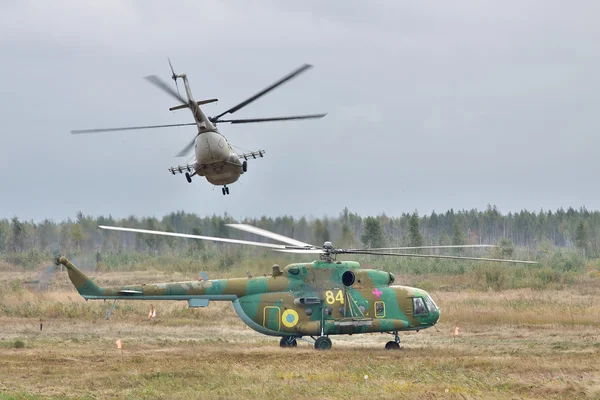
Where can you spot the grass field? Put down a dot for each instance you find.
(518, 343)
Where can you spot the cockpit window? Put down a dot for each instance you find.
(430, 304)
(419, 306)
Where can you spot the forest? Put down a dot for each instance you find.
(527, 232)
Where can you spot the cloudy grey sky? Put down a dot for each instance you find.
(432, 105)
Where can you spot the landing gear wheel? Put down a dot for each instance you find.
(395, 344)
(323, 343)
(391, 345)
(188, 177)
(223, 190)
(288, 341)
(245, 166)
(226, 190)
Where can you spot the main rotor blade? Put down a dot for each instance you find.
(428, 247)
(185, 235)
(269, 234)
(302, 251)
(166, 88)
(250, 120)
(187, 148)
(435, 256)
(265, 91)
(129, 128)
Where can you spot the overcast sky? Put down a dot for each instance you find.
(431, 105)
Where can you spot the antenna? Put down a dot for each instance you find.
(174, 76)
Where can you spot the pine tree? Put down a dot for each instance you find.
(65, 238)
(196, 246)
(582, 237)
(18, 236)
(348, 239)
(320, 232)
(507, 248)
(373, 233)
(170, 239)
(444, 239)
(152, 240)
(458, 237)
(415, 237)
(2, 236)
(77, 235)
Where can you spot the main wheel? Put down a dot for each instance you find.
(188, 177)
(288, 341)
(245, 166)
(223, 190)
(323, 343)
(391, 345)
(226, 190)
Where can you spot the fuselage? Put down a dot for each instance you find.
(215, 160)
(304, 299)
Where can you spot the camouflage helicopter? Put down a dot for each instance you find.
(214, 157)
(320, 298)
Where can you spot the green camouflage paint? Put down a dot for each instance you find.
(302, 299)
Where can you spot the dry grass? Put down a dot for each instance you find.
(512, 344)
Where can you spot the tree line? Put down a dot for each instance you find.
(574, 228)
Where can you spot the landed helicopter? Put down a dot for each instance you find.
(214, 158)
(321, 298)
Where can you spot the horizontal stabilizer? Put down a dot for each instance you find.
(182, 106)
(194, 303)
(126, 291)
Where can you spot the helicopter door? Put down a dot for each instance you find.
(272, 318)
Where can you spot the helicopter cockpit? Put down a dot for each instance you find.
(419, 308)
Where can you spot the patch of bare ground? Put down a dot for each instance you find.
(511, 344)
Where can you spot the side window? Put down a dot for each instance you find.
(379, 309)
(419, 306)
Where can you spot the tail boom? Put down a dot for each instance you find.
(195, 292)
(202, 121)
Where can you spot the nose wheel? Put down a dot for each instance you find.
(225, 190)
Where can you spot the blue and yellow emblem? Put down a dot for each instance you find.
(289, 318)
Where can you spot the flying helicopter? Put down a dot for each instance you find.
(214, 157)
(320, 298)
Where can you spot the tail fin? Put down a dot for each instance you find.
(84, 285)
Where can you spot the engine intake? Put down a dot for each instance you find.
(348, 278)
